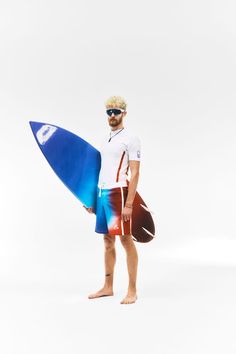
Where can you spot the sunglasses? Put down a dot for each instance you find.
(115, 111)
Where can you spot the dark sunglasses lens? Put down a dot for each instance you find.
(115, 111)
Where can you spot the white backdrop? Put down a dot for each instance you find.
(174, 62)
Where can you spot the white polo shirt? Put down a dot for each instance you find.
(115, 157)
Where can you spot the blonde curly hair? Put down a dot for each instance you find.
(116, 102)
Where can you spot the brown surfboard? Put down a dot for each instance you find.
(143, 228)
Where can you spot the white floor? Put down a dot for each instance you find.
(183, 307)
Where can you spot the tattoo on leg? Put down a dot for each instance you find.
(107, 275)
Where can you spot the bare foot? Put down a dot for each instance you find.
(130, 298)
(102, 292)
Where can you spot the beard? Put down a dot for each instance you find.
(114, 122)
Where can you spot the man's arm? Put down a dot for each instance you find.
(134, 169)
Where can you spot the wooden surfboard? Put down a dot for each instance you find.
(77, 164)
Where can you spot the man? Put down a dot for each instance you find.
(120, 152)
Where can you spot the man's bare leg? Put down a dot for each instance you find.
(132, 265)
(110, 259)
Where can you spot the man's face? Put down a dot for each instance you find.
(115, 120)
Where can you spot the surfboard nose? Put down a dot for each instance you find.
(42, 131)
(35, 126)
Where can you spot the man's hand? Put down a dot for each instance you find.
(134, 168)
(89, 210)
(127, 213)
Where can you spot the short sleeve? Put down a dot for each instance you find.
(134, 149)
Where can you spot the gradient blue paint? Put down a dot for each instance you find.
(75, 162)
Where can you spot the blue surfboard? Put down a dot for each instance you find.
(77, 164)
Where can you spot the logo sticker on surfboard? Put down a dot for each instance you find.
(45, 133)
